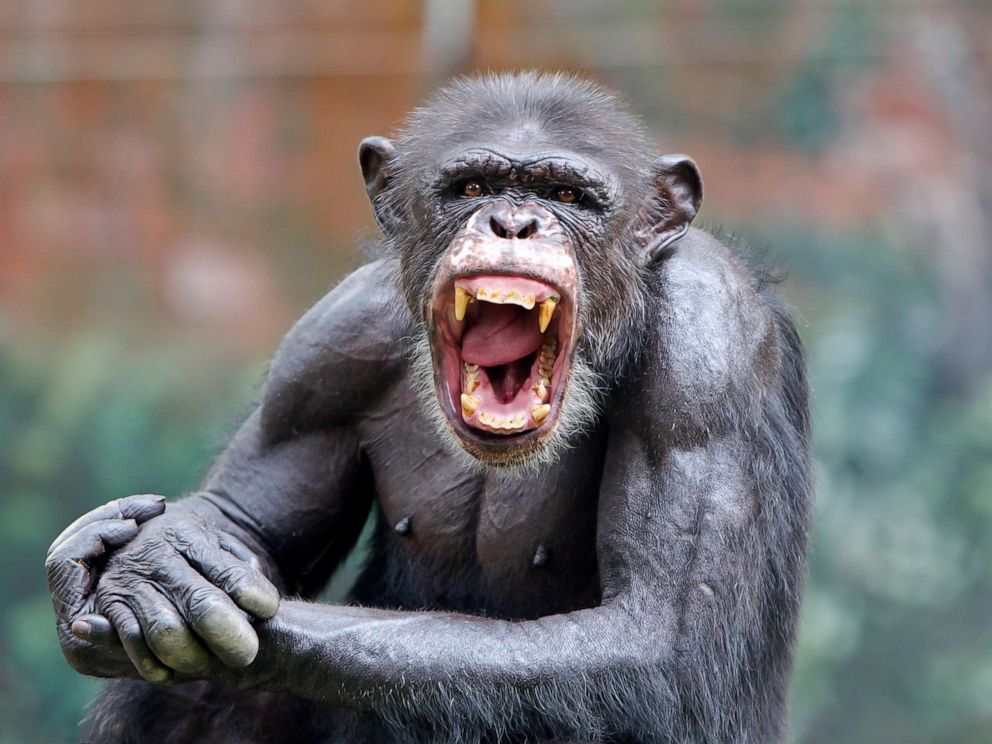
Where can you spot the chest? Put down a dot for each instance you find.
(526, 542)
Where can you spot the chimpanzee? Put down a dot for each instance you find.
(581, 428)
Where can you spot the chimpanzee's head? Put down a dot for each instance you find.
(526, 213)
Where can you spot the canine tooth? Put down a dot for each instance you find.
(547, 310)
(469, 404)
(462, 297)
(541, 390)
(539, 413)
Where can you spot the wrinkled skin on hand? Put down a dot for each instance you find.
(176, 601)
(73, 563)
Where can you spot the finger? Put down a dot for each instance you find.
(95, 629)
(99, 661)
(67, 566)
(239, 550)
(91, 646)
(133, 640)
(246, 585)
(92, 540)
(140, 508)
(166, 632)
(214, 617)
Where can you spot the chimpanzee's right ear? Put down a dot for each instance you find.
(375, 156)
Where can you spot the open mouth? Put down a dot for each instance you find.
(504, 344)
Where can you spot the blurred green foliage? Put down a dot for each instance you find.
(895, 644)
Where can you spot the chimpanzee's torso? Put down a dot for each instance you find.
(514, 545)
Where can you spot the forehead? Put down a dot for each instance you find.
(524, 136)
(525, 118)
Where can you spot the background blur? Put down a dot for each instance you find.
(178, 182)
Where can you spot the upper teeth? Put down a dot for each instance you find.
(547, 310)
(462, 298)
(501, 296)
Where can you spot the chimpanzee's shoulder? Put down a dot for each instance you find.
(343, 351)
(715, 330)
(364, 314)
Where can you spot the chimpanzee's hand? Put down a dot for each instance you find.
(73, 565)
(173, 595)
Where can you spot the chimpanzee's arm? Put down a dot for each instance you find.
(287, 498)
(292, 484)
(700, 544)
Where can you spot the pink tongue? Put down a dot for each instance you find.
(500, 335)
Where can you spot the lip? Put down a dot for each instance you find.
(498, 426)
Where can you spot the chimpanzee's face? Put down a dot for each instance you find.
(505, 313)
(521, 215)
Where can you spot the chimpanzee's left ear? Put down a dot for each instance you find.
(676, 193)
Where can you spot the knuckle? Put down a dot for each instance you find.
(232, 577)
(116, 609)
(116, 589)
(130, 633)
(163, 628)
(112, 504)
(205, 602)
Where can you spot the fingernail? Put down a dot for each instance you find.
(154, 672)
(82, 629)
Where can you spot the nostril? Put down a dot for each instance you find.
(512, 229)
(527, 230)
(498, 230)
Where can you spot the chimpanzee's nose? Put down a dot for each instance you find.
(505, 224)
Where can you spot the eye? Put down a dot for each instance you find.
(472, 188)
(567, 195)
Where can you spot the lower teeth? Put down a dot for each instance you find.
(538, 413)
